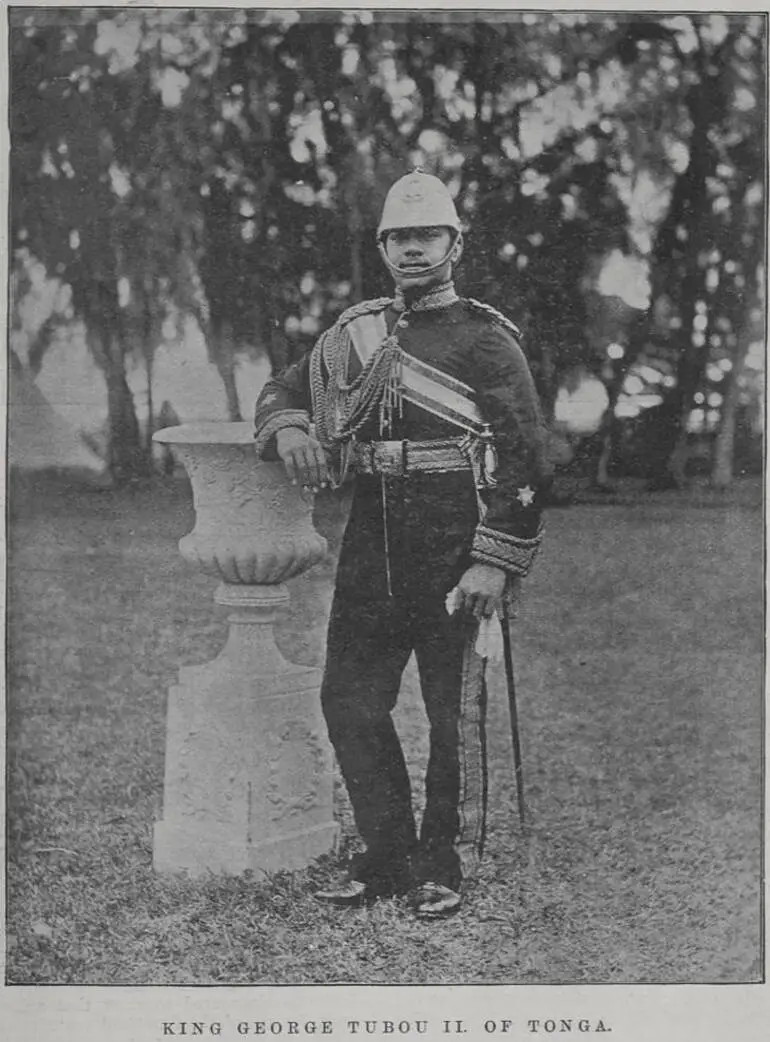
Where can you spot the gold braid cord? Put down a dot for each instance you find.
(509, 552)
(340, 409)
(276, 422)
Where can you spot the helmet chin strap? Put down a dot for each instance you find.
(453, 254)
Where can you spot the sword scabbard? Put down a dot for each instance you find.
(513, 710)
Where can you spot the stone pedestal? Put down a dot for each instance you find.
(248, 778)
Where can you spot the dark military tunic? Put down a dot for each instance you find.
(395, 572)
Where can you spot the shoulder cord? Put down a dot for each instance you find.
(341, 409)
(329, 362)
(350, 406)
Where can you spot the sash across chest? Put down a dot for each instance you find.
(419, 383)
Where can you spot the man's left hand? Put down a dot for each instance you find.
(481, 590)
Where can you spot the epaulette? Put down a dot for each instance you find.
(366, 307)
(498, 316)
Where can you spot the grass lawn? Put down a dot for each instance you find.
(639, 666)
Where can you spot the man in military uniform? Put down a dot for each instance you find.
(427, 402)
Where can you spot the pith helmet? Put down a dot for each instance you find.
(418, 200)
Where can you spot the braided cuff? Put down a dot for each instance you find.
(278, 421)
(508, 552)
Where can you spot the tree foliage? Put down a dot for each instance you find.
(231, 165)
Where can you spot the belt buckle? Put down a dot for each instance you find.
(389, 458)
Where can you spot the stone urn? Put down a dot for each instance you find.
(248, 774)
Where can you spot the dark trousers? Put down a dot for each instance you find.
(371, 636)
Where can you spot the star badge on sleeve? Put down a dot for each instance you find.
(269, 397)
(525, 495)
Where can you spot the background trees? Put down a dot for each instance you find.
(230, 166)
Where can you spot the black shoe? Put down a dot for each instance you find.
(345, 892)
(349, 891)
(434, 901)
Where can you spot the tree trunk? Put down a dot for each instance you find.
(608, 426)
(606, 434)
(689, 372)
(547, 382)
(221, 350)
(356, 267)
(602, 476)
(150, 405)
(677, 460)
(148, 350)
(689, 209)
(661, 436)
(226, 367)
(127, 457)
(724, 445)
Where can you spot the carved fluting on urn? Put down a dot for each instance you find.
(248, 779)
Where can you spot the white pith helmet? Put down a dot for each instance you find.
(418, 200)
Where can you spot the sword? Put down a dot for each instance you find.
(515, 737)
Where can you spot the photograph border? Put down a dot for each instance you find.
(639, 1012)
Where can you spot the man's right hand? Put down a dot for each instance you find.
(302, 456)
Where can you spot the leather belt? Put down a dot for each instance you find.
(401, 458)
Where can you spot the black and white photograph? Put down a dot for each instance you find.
(385, 603)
